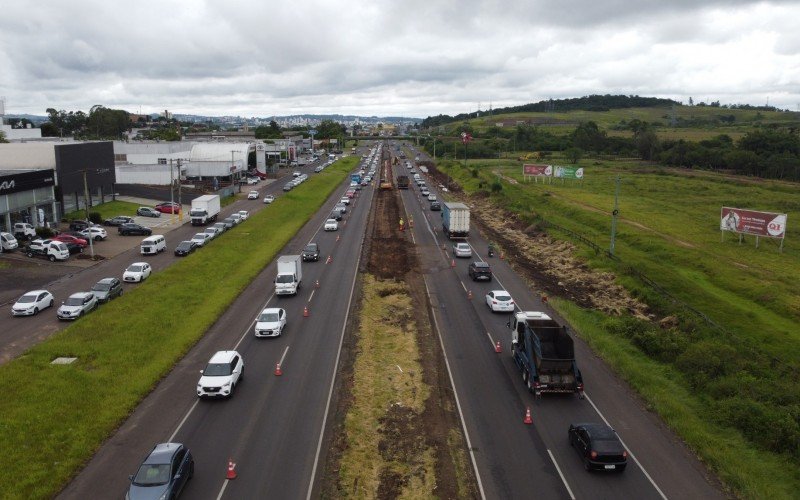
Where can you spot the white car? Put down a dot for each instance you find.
(500, 301)
(296, 174)
(136, 272)
(331, 225)
(201, 238)
(96, 233)
(270, 322)
(77, 305)
(252, 181)
(269, 198)
(224, 370)
(237, 219)
(462, 250)
(431, 197)
(212, 232)
(244, 214)
(252, 195)
(32, 302)
(345, 200)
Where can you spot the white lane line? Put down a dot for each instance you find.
(221, 491)
(455, 395)
(185, 417)
(285, 351)
(463, 285)
(333, 378)
(312, 295)
(563, 479)
(627, 448)
(491, 340)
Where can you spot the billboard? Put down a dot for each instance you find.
(537, 170)
(737, 220)
(568, 172)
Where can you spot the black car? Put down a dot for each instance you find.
(185, 248)
(436, 206)
(107, 289)
(73, 247)
(599, 447)
(118, 220)
(311, 252)
(127, 229)
(79, 225)
(336, 215)
(480, 271)
(229, 222)
(163, 474)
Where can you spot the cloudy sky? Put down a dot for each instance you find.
(411, 58)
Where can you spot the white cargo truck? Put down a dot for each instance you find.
(204, 209)
(290, 274)
(455, 220)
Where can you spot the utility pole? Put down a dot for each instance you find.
(180, 214)
(171, 193)
(86, 202)
(614, 216)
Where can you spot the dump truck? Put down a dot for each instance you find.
(402, 182)
(204, 209)
(455, 220)
(544, 352)
(290, 274)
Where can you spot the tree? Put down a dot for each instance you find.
(647, 143)
(2, 137)
(574, 154)
(589, 137)
(273, 131)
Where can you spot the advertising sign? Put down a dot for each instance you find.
(737, 220)
(568, 172)
(537, 170)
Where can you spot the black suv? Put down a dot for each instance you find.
(126, 229)
(106, 289)
(311, 252)
(480, 271)
(436, 206)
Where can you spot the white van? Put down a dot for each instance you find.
(153, 244)
(8, 242)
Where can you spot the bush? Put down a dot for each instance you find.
(773, 429)
(45, 232)
(95, 217)
(706, 361)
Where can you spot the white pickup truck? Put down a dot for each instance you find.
(47, 249)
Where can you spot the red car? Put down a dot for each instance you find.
(168, 208)
(258, 174)
(67, 238)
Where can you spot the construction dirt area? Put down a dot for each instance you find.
(418, 449)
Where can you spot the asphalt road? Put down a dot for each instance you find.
(515, 460)
(272, 426)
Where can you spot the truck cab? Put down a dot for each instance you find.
(48, 249)
(24, 231)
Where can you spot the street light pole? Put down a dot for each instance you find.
(86, 201)
(171, 193)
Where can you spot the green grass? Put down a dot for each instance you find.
(669, 231)
(106, 210)
(55, 417)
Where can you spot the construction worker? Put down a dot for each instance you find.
(402, 224)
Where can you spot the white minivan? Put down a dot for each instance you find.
(8, 242)
(153, 245)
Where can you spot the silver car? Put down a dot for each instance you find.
(77, 305)
(462, 250)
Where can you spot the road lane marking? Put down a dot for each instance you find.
(563, 479)
(185, 417)
(310, 296)
(284, 355)
(627, 448)
(491, 340)
(224, 485)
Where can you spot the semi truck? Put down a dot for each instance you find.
(205, 209)
(545, 354)
(455, 220)
(402, 182)
(290, 274)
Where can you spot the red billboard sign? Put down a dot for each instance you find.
(537, 170)
(737, 220)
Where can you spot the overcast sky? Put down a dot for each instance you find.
(412, 58)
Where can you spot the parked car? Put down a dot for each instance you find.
(256, 173)
(310, 252)
(219, 378)
(598, 446)
(72, 246)
(345, 200)
(136, 272)
(200, 239)
(436, 206)
(107, 289)
(96, 233)
(479, 271)
(500, 301)
(184, 248)
(244, 214)
(212, 232)
(229, 222)
(148, 212)
(269, 198)
(252, 181)
(118, 220)
(24, 231)
(337, 215)
(270, 322)
(68, 238)
(288, 186)
(462, 250)
(168, 207)
(252, 195)
(32, 302)
(331, 225)
(340, 207)
(163, 473)
(131, 228)
(237, 219)
(79, 225)
(77, 305)
(296, 174)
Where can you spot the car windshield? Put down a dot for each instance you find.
(502, 298)
(311, 248)
(152, 475)
(285, 278)
(27, 298)
(135, 269)
(201, 237)
(197, 213)
(462, 246)
(102, 287)
(185, 245)
(269, 317)
(217, 370)
(74, 301)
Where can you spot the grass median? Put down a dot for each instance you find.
(55, 417)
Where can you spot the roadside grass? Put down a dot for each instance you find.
(106, 210)
(55, 417)
(741, 379)
(751, 473)
(387, 382)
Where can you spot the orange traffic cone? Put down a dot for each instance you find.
(231, 470)
(497, 347)
(544, 298)
(278, 371)
(329, 260)
(469, 294)
(305, 312)
(337, 237)
(453, 263)
(528, 419)
(316, 284)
